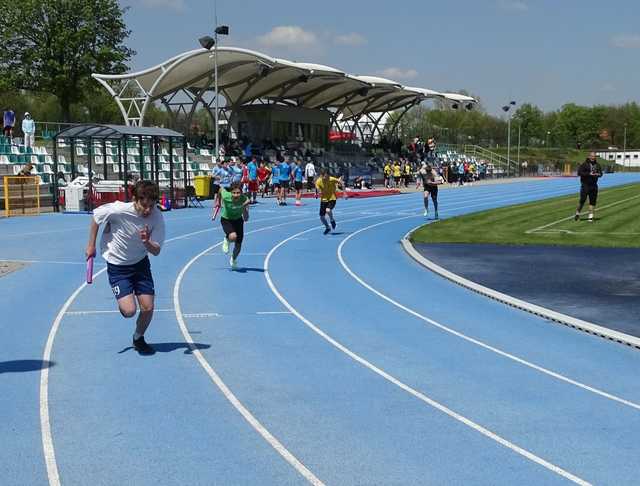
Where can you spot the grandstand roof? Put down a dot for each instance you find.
(114, 131)
(245, 76)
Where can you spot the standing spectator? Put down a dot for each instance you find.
(310, 174)
(589, 173)
(29, 130)
(9, 119)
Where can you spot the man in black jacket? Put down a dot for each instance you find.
(589, 172)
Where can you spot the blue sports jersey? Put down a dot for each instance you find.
(275, 172)
(253, 171)
(224, 176)
(285, 171)
(298, 173)
(236, 173)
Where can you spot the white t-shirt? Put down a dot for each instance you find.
(310, 170)
(121, 243)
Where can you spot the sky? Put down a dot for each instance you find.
(545, 52)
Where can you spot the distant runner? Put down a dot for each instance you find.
(233, 214)
(328, 188)
(589, 172)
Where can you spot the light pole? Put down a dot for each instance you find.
(208, 42)
(546, 144)
(624, 149)
(519, 129)
(506, 109)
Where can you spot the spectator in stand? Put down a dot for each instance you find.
(26, 170)
(387, 174)
(310, 175)
(29, 130)
(62, 180)
(9, 121)
(397, 173)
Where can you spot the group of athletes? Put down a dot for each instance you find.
(133, 230)
(265, 178)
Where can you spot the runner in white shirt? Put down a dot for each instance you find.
(131, 231)
(310, 174)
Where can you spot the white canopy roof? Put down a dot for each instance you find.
(245, 76)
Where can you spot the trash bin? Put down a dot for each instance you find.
(202, 186)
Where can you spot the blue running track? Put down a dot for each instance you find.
(324, 359)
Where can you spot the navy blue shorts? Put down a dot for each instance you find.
(130, 279)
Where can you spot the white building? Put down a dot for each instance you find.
(627, 158)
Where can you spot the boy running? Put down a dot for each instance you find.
(285, 177)
(298, 178)
(252, 175)
(328, 188)
(233, 213)
(132, 231)
(430, 182)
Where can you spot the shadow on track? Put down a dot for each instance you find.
(24, 365)
(170, 347)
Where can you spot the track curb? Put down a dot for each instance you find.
(551, 315)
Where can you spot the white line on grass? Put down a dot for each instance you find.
(419, 395)
(536, 230)
(488, 347)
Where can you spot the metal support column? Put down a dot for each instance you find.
(89, 174)
(104, 159)
(171, 189)
(141, 157)
(186, 174)
(56, 206)
(126, 169)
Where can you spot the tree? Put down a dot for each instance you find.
(53, 46)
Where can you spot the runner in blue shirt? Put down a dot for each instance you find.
(236, 171)
(252, 167)
(285, 177)
(275, 180)
(298, 178)
(222, 176)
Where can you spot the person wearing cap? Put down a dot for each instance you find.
(9, 121)
(28, 130)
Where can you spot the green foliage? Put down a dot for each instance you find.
(53, 47)
(570, 127)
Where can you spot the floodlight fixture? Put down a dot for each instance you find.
(454, 106)
(207, 42)
(222, 30)
(505, 108)
(363, 91)
(469, 106)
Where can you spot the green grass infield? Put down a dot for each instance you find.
(547, 222)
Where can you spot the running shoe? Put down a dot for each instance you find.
(591, 218)
(576, 217)
(436, 216)
(426, 213)
(333, 224)
(142, 347)
(327, 230)
(225, 246)
(233, 263)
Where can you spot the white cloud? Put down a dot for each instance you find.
(626, 41)
(395, 73)
(513, 5)
(175, 5)
(290, 36)
(351, 39)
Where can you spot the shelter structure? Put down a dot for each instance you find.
(247, 78)
(161, 146)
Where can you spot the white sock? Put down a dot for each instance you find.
(137, 336)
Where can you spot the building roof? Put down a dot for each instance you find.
(114, 131)
(245, 76)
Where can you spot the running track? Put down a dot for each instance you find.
(326, 359)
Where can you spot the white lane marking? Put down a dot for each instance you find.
(272, 312)
(202, 315)
(31, 233)
(488, 347)
(229, 395)
(47, 439)
(99, 312)
(545, 226)
(45, 422)
(47, 262)
(419, 395)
